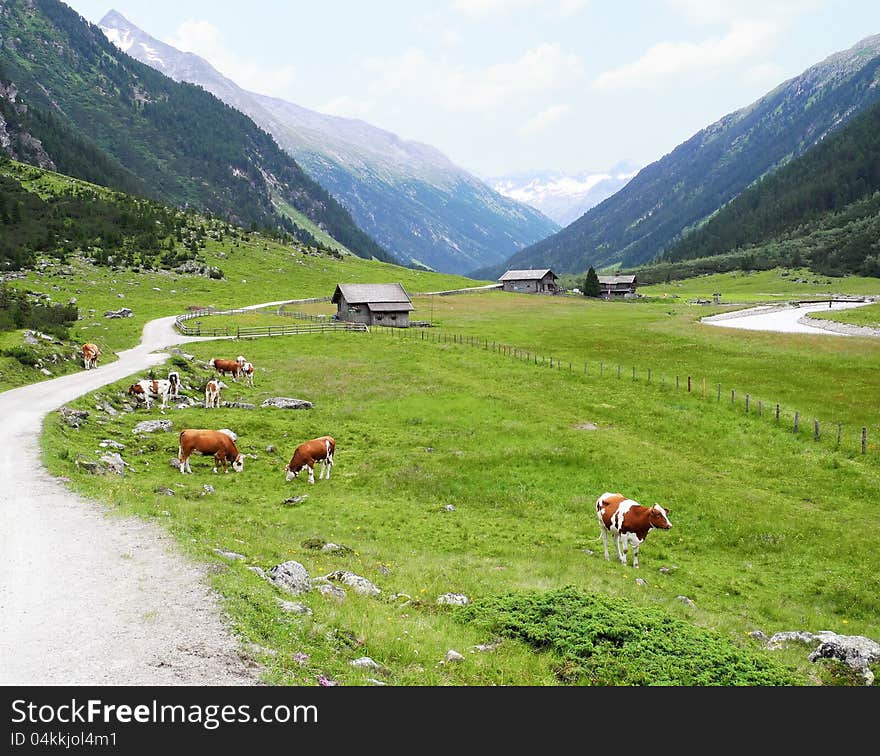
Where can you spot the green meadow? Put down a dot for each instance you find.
(463, 469)
(868, 316)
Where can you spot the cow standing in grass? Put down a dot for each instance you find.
(318, 450)
(90, 354)
(218, 443)
(628, 522)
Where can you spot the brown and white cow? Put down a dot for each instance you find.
(90, 354)
(212, 393)
(208, 442)
(307, 454)
(233, 367)
(628, 522)
(146, 390)
(247, 370)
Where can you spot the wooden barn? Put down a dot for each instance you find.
(373, 304)
(618, 286)
(531, 281)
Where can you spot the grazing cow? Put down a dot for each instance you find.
(147, 390)
(90, 353)
(214, 442)
(233, 367)
(308, 453)
(247, 370)
(174, 380)
(212, 393)
(629, 522)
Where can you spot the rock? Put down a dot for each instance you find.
(30, 338)
(429, 449)
(357, 583)
(151, 426)
(110, 410)
(283, 402)
(73, 417)
(453, 599)
(335, 548)
(292, 577)
(686, 601)
(207, 489)
(449, 508)
(759, 636)
(403, 598)
(232, 434)
(123, 312)
(92, 468)
(231, 555)
(44, 371)
(485, 648)
(109, 442)
(239, 405)
(856, 651)
(295, 500)
(641, 581)
(670, 568)
(258, 571)
(164, 491)
(331, 591)
(295, 607)
(452, 656)
(374, 681)
(270, 449)
(114, 462)
(174, 462)
(364, 662)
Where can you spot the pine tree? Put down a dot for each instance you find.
(591, 284)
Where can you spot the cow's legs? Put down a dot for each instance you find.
(635, 551)
(605, 541)
(621, 548)
(312, 474)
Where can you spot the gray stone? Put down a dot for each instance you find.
(856, 651)
(331, 591)
(114, 462)
(485, 648)
(335, 548)
(295, 500)
(449, 508)
(453, 599)
(109, 442)
(231, 555)
(44, 371)
(73, 417)
(374, 681)
(283, 402)
(174, 462)
(30, 338)
(292, 577)
(357, 583)
(123, 312)
(270, 449)
(258, 571)
(403, 598)
(453, 656)
(364, 662)
(207, 489)
(92, 468)
(758, 636)
(239, 405)
(151, 426)
(295, 607)
(164, 491)
(686, 601)
(641, 581)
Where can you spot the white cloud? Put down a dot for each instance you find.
(713, 12)
(415, 76)
(206, 40)
(764, 75)
(348, 107)
(745, 39)
(543, 120)
(487, 8)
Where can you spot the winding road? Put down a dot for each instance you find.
(92, 598)
(782, 318)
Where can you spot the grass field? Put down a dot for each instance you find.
(521, 452)
(868, 316)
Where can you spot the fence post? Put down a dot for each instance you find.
(748, 397)
(618, 371)
(704, 388)
(839, 429)
(719, 393)
(663, 381)
(797, 418)
(732, 396)
(601, 368)
(864, 440)
(649, 375)
(760, 408)
(676, 383)
(634, 372)
(689, 384)
(585, 367)
(815, 430)
(777, 413)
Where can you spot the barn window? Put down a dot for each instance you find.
(394, 317)
(378, 317)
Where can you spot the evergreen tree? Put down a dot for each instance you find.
(591, 284)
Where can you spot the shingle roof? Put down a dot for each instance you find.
(526, 275)
(372, 293)
(390, 306)
(617, 279)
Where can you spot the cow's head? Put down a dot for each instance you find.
(291, 474)
(240, 360)
(659, 517)
(238, 463)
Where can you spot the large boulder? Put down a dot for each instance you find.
(73, 417)
(291, 576)
(123, 312)
(357, 583)
(284, 402)
(856, 651)
(151, 426)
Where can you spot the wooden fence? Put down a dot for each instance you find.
(243, 332)
(698, 388)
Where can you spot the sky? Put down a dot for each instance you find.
(509, 86)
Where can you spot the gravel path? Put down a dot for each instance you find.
(783, 319)
(92, 598)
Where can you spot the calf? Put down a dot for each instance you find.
(247, 370)
(233, 367)
(204, 441)
(629, 522)
(174, 381)
(147, 390)
(90, 353)
(212, 393)
(308, 453)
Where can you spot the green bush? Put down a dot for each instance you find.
(24, 356)
(602, 641)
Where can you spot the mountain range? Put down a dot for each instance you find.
(678, 193)
(71, 100)
(408, 196)
(562, 196)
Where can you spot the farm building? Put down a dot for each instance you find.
(531, 281)
(618, 286)
(373, 304)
